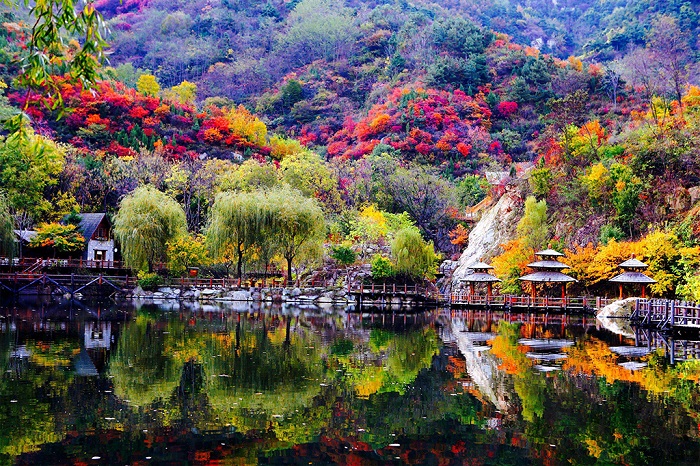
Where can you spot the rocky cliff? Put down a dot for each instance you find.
(496, 226)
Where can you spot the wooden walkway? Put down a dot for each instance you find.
(394, 294)
(664, 314)
(44, 283)
(528, 303)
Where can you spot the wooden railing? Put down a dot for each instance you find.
(664, 313)
(512, 301)
(394, 289)
(34, 263)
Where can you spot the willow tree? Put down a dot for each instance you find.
(7, 225)
(412, 255)
(240, 220)
(146, 221)
(298, 224)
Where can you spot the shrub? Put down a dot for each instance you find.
(608, 232)
(382, 268)
(149, 280)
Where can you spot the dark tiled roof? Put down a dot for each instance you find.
(25, 235)
(633, 264)
(548, 265)
(549, 252)
(480, 266)
(632, 277)
(89, 223)
(480, 277)
(544, 277)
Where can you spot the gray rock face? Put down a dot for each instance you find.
(497, 225)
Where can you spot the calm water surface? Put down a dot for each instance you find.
(123, 384)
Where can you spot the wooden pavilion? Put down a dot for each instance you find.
(548, 270)
(480, 274)
(633, 275)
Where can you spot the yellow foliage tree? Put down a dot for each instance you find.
(510, 265)
(246, 125)
(185, 92)
(597, 181)
(147, 84)
(281, 147)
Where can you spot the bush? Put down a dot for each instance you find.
(149, 280)
(343, 255)
(382, 268)
(609, 232)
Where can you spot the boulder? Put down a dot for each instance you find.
(240, 295)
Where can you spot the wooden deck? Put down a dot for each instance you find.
(664, 314)
(528, 303)
(44, 283)
(394, 294)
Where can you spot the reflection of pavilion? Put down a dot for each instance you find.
(633, 275)
(548, 270)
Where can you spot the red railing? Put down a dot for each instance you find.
(511, 301)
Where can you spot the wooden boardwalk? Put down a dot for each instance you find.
(528, 303)
(664, 314)
(44, 283)
(394, 294)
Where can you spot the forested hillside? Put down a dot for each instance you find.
(389, 114)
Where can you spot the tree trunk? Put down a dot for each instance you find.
(239, 265)
(289, 269)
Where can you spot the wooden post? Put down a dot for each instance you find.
(563, 291)
(489, 286)
(673, 313)
(644, 291)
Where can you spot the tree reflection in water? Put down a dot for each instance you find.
(325, 387)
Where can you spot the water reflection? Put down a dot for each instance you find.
(182, 384)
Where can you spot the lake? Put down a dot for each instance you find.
(108, 383)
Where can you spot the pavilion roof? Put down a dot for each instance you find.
(549, 252)
(547, 276)
(480, 277)
(633, 264)
(548, 265)
(632, 277)
(480, 266)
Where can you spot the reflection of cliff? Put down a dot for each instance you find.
(481, 364)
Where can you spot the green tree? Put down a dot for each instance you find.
(306, 171)
(7, 225)
(237, 220)
(298, 224)
(249, 176)
(412, 255)
(532, 228)
(382, 268)
(29, 164)
(471, 190)
(146, 221)
(317, 29)
(60, 238)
